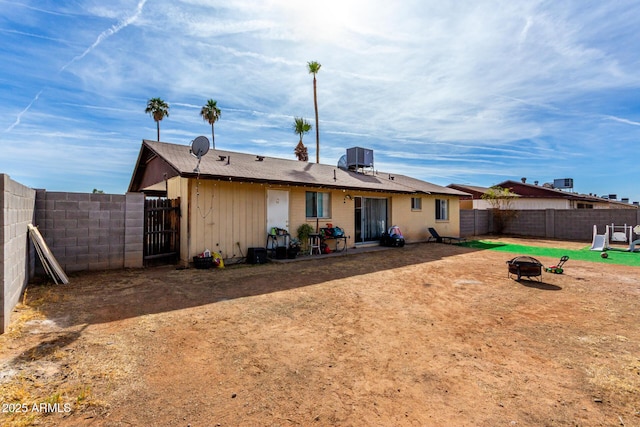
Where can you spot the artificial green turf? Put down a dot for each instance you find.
(615, 256)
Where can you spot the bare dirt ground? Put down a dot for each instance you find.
(425, 335)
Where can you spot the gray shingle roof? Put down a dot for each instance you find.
(220, 164)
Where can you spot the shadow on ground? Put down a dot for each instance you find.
(539, 285)
(99, 297)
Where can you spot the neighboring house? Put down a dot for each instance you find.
(232, 199)
(532, 196)
(473, 199)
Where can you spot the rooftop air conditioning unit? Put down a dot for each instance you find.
(359, 158)
(563, 183)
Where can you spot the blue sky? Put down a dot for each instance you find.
(471, 92)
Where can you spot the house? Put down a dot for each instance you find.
(473, 199)
(533, 196)
(230, 200)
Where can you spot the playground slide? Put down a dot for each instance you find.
(599, 242)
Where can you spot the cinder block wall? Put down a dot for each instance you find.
(17, 202)
(577, 224)
(92, 231)
(474, 222)
(133, 230)
(527, 223)
(563, 224)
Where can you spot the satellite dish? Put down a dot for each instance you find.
(342, 163)
(200, 146)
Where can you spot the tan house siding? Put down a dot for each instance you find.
(450, 227)
(414, 224)
(341, 211)
(178, 187)
(230, 217)
(296, 210)
(218, 215)
(411, 223)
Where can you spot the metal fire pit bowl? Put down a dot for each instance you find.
(525, 266)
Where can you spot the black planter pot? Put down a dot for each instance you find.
(202, 262)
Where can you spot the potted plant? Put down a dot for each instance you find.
(293, 249)
(303, 234)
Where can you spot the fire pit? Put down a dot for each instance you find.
(525, 266)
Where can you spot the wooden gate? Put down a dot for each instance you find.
(161, 230)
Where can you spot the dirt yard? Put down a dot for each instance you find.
(426, 335)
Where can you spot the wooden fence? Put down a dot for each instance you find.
(161, 230)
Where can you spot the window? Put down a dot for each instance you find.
(442, 209)
(318, 205)
(416, 203)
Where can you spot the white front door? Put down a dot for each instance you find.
(277, 209)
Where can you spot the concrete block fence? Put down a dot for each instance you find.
(83, 231)
(474, 222)
(92, 231)
(562, 224)
(17, 208)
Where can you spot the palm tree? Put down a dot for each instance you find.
(300, 127)
(313, 68)
(211, 113)
(158, 109)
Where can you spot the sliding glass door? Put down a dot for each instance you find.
(370, 218)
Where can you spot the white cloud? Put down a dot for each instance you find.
(23, 112)
(108, 33)
(473, 90)
(621, 120)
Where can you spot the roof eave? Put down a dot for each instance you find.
(139, 168)
(228, 178)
